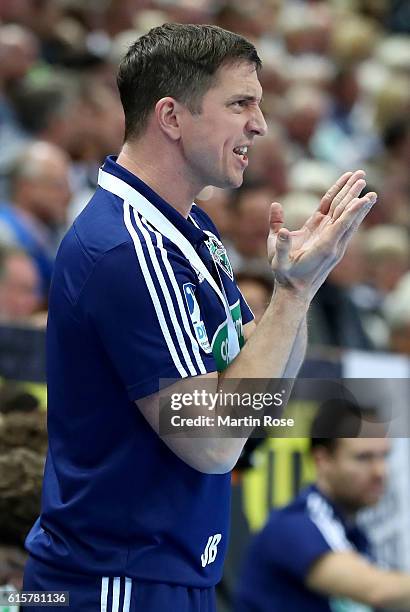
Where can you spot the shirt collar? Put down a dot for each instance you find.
(336, 510)
(188, 229)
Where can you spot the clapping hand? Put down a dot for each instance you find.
(302, 259)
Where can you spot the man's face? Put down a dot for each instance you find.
(252, 222)
(230, 118)
(19, 288)
(355, 471)
(48, 194)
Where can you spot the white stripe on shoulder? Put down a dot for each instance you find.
(151, 288)
(177, 291)
(127, 595)
(116, 594)
(322, 515)
(104, 593)
(166, 294)
(193, 220)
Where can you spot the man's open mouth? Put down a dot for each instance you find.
(242, 152)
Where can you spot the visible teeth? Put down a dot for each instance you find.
(241, 150)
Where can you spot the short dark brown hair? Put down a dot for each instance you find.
(178, 60)
(336, 419)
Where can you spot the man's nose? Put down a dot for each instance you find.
(380, 468)
(257, 124)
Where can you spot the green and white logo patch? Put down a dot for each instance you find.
(219, 255)
(220, 343)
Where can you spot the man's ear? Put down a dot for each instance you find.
(168, 114)
(321, 456)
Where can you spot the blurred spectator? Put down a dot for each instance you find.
(354, 39)
(298, 206)
(306, 27)
(14, 10)
(397, 310)
(247, 249)
(257, 291)
(48, 110)
(23, 443)
(303, 108)
(389, 173)
(12, 562)
(387, 253)
(310, 176)
(387, 258)
(36, 214)
(312, 555)
(393, 101)
(268, 162)
(19, 285)
(19, 51)
(343, 138)
(334, 318)
(399, 16)
(336, 96)
(393, 51)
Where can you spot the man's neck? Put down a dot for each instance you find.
(168, 183)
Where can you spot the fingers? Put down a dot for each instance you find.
(359, 208)
(352, 216)
(342, 195)
(314, 221)
(330, 194)
(352, 194)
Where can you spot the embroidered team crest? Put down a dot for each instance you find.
(219, 255)
(195, 314)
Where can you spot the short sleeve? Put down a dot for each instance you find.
(293, 543)
(247, 314)
(137, 307)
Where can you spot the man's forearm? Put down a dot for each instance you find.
(298, 352)
(392, 591)
(274, 350)
(277, 346)
(265, 355)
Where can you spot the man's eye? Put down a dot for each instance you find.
(240, 103)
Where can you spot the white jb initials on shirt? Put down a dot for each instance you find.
(211, 549)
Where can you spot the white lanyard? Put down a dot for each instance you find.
(118, 187)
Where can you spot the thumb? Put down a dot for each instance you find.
(283, 246)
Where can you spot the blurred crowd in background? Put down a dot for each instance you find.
(336, 82)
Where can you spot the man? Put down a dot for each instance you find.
(19, 285)
(143, 291)
(311, 555)
(40, 194)
(251, 206)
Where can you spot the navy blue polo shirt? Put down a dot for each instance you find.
(281, 555)
(126, 310)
